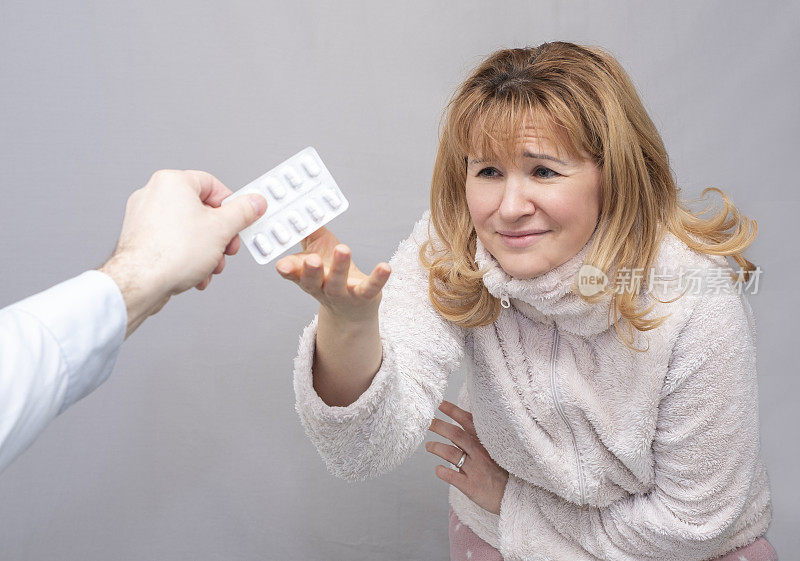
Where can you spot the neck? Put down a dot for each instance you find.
(548, 297)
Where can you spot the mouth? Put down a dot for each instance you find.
(521, 239)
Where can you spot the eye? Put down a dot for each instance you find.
(487, 172)
(542, 168)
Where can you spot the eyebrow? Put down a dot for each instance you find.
(527, 155)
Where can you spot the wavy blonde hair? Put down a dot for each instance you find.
(583, 99)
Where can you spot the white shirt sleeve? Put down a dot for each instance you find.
(56, 347)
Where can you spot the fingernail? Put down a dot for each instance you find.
(283, 268)
(259, 204)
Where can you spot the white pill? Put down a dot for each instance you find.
(292, 176)
(281, 234)
(332, 199)
(297, 221)
(311, 167)
(262, 244)
(302, 197)
(276, 188)
(314, 211)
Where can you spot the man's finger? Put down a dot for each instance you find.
(210, 189)
(220, 266)
(233, 246)
(241, 212)
(205, 282)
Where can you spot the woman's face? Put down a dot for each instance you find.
(540, 192)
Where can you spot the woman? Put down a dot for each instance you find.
(585, 430)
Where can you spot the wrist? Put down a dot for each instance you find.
(143, 294)
(347, 325)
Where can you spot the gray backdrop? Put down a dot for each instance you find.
(192, 449)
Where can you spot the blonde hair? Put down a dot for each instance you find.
(583, 97)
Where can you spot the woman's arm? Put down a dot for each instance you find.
(348, 345)
(347, 356)
(708, 485)
(391, 401)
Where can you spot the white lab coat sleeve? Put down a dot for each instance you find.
(378, 431)
(55, 348)
(705, 449)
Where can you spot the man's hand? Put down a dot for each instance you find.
(175, 236)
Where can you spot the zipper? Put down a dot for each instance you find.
(504, 301)
(560, 409)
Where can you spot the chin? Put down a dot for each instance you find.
(518, 272)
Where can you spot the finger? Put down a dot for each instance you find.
(463, 418)
(374, 283)
(312, 275)
(241, 212)
(290, 267)
(210, 189)
(220, 266)
(454, 434)
(454, 477)
(314, 236)
(445, 451)
(204, 284)
(336, 282)
(233, 245)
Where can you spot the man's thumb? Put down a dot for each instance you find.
(243, 211)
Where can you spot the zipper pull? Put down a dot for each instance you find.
(504, 301)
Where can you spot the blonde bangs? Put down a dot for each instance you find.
(491, 127)
(582, 101)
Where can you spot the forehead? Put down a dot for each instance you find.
(510, 142)
(527, 139)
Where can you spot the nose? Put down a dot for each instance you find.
(516, 202)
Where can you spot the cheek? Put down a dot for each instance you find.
(572, 210)
(480, 206)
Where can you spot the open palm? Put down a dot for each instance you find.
(325, 270)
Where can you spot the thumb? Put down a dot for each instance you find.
(242, 212)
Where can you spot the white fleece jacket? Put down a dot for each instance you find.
(611, 454)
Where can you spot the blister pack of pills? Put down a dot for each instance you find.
(301, 197)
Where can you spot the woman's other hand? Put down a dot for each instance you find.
(479, 478)
(325, 270)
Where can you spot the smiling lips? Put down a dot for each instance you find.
(518, 240)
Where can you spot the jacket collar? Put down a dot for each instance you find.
(549, 297)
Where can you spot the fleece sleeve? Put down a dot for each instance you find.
(378, 431)
(705, 449)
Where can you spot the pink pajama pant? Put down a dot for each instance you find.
(465, 545)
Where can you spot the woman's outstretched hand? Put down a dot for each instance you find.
(479, 478)
(325, 270)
